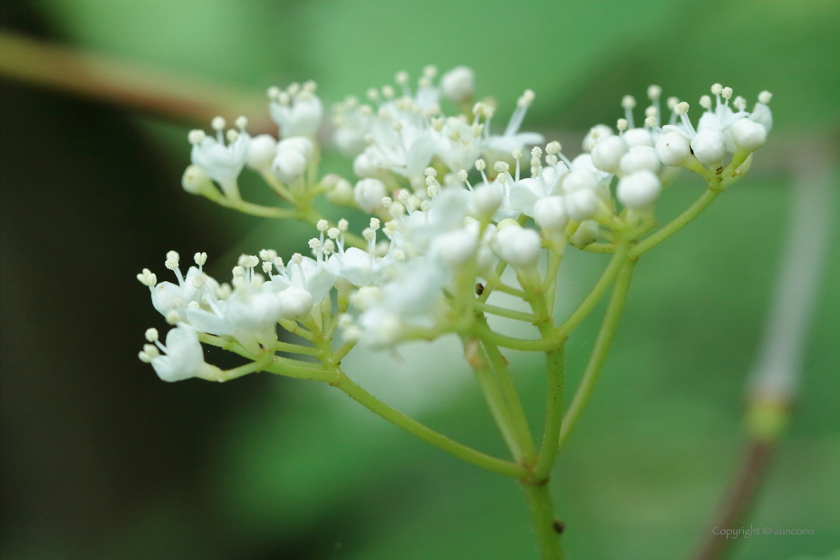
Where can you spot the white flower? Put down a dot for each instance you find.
(511, 138)
(713, 137)
(352, 123)
(221, 162)
(172, 300)
(305, 273)
(183, 356)
(412, 298)
(297, 110)
(358, 267)
(761, 112)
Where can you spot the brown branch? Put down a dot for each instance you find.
(126, 83)
(739, 498)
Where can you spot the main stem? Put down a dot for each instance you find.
(542, 516)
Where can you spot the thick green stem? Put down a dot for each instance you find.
(428, 435)
(542, 517)
(555, 370)
(599, 353)
(676, 224)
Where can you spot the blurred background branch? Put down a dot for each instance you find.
(125, 84)
(774, 382)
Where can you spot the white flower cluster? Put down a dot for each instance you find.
(443, 217)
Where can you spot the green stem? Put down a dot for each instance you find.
(299, 370)
(483, 332)
(511, 396)
(542, 517)
(597, 292)
(676, 224)
(290, 348)
(428, 435)
(599, 353)
(555, 369)
(493, 282)
(502, 312)
(493, 394)
(600, 248)
(258, 210)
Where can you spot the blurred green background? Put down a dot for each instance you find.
(102, 460)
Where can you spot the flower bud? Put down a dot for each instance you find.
(288, 165)
(607, 153)
(341, 194)
(582, 204)
(550, 213)
(458, 84)
(261, 153)
(708, 146)
(196, 181)
(295, 302)
(487, 199)
(518, 246)
(300, 143)
(748, 135)
(638, 190)
(673, 149)
(456, 247)
(580, 179)
(638, 137)
(638, 158)
(363, 167)
(369, 193)
(595, 135)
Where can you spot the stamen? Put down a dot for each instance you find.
(196, 136)
(268, 254)
(628, 102)
(682, 110)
